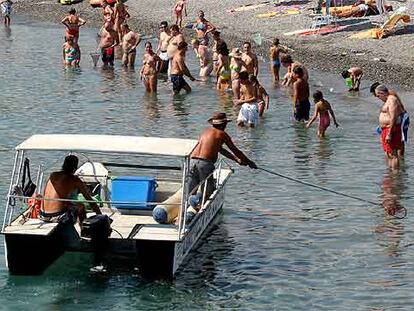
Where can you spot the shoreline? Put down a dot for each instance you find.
(330, 53)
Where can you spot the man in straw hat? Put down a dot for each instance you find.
(205, 154)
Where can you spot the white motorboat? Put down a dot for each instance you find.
(131, 177)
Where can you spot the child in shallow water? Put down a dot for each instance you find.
(324, 110)
(179, 8)
(6, 9)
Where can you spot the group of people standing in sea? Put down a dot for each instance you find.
(236, 71)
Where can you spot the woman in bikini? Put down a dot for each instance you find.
(203, 27)
(120, 15)
(148, 73)
(179, 7)
(71, 53)
(204, 55)
(324, 110)
(223, 70)
(73, 23)
(236, 65)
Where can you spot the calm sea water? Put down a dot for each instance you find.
(276, 245)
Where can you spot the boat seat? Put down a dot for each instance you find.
(30, 226)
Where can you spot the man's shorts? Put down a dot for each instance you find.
(178, 83)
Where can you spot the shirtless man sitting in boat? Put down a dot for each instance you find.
(65, 185)
(73, 23)
(205, 154)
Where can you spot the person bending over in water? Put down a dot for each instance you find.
(353, 77)
(323, 109)
(6, 9)
(109, 39)
(178, 9)
(71, 53)
(179, 70)
(405, 119)
(65, 185)
(73, 23)
(204, 55)
(148, 71)
(249, 110)
(301, 104)
(205, 154)
(250, 60)
(130, 42)
(274, 53)
(288, 62)
(262, 96)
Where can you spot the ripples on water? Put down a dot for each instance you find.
(277, 245)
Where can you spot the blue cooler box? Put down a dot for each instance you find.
(133, 189)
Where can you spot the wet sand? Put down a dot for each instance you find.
(333, 52)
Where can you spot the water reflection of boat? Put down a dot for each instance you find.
(32, 245)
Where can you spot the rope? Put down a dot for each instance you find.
(404, 210)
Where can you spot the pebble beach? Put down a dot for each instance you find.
(388, 60)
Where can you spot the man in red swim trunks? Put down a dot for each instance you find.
(390, 123)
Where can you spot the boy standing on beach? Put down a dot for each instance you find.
(301, 104)
(6, 9)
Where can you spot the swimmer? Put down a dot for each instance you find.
(108, 13)
(162, 47)
(405, 118)
(301, 104)
(223, 69)
(390, 123)
(73, 23)
(262, 96)
(120, 15)
(249, 110)
(71, 53)
(275, 64)
(109, 39)
(179, 69)
(6, 9)
(130, 42)
(204, 55)
(203, 27)
(287, 61)
(148, 73)
(250, 60)
(355, 74)
(178, 9)
(236, 65)
(323, 109)
(216, 42)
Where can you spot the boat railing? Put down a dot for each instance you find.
(222, 164)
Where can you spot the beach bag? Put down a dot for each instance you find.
(29, 187)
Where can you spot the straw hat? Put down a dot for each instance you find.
(236, 53)
(218, 118)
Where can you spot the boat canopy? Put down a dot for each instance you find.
(110, 144)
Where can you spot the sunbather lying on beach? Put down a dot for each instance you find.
(359, 9)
